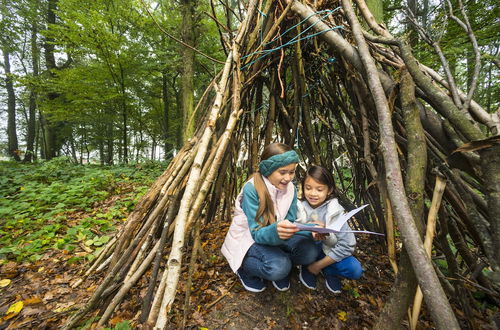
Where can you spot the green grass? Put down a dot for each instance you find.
(59, 205)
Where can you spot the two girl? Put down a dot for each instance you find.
(263, 242)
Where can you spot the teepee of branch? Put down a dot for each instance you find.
(315, 79)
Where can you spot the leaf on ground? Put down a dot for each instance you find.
(114, 321)
(15, 308)
(342, 316)
(4, 282)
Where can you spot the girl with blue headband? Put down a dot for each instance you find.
(263, 242)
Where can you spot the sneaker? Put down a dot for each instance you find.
(283, 284)
(333, 283)
(307, 278)
(252, 284)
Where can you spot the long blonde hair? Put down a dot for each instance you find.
(266, 205)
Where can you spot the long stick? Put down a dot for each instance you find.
(429, 237)
(441, 311)
(174, 263)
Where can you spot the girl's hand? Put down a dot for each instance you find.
(314, 268)
(286, 229)
(319, 236)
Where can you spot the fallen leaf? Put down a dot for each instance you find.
(15, 307)
(41, 269)
(4, 283)
(114, 321)
(342, 316)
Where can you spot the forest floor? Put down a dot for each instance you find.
(39, 295)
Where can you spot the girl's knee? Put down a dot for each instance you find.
(278, 269)
(306, 252)
(353, 269)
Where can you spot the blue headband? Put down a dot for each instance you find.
(268, 166)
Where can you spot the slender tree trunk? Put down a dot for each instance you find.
(403, 290)
(166, 109)
(187, 79)
(52, 128)
(11, 108)
(109, 140)
(124, 112)
(30, 137)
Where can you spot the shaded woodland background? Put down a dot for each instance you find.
(106, 82)
(348, 95)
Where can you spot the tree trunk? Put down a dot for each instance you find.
(187, 79)
(403, 290)
(490, 161)
(52, 128)
(11, 108)
(31, 129)
(165, 119)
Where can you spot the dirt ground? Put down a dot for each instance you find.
(217, 300)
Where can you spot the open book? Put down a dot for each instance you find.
(335, 228)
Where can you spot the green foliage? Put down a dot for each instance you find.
(57, 204)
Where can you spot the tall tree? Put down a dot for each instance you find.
(11, 107)
(13, 147)
(32, 103)
(187, 79)
(53, 128)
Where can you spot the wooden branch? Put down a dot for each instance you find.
(477, 55)
(146, 305)
(490, 120)
(444, 105)
(434, 44)
(127, 285)
(171, 276)
(440, 308)
(429, 237)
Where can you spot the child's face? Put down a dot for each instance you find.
(315, 192)
(282, 176)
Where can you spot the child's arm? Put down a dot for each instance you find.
(250, 204)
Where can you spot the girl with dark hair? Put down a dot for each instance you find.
(263, 242)
(335, 259)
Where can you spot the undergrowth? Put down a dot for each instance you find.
(60, 205)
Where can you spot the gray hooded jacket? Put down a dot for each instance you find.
(337, 246)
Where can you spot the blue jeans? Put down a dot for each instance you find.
(274, 263)
(349, 267)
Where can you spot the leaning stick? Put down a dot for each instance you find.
(146, 306)
(440, 307)
(429, 236)
(175, 259)
(192, 265)
(127, 284)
